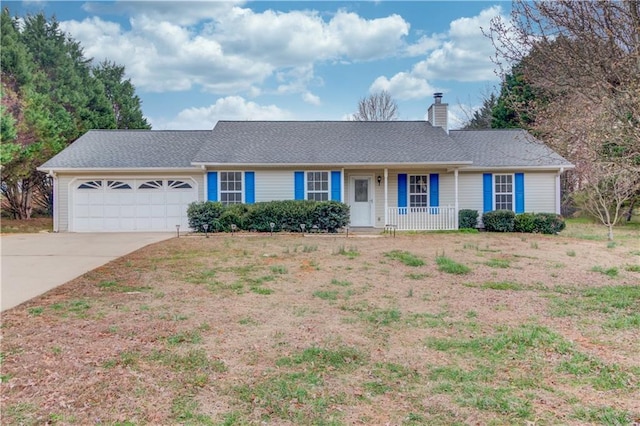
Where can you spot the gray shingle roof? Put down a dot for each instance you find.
(506, 148)
(304, 142)
(131, 149)
(328, 142)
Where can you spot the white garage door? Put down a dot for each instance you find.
(131, 204)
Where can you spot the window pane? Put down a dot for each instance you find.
(231, 187)
(361, 194)
(504, 192)
(317, 186)
(418, 190)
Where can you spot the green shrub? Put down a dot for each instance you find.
(549, 223)
(542, 223)
(235, 214)
(525, 222)
(499, 220)
(467, 218)
(331, 215)
(287, 215)
(205, 212)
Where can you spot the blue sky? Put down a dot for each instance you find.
(194, 63)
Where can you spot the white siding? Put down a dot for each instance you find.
(274, 185)
(63, 202)
(470, 191)
(540, 192)
(447, 196)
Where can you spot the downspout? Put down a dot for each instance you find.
(386, 197)
(54, 177)
(558, 195)
(455, 192)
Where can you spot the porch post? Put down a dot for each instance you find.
(342, 195)
(205, 187)
(386, 197)
(455, 179)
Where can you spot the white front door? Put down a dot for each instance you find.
(361, 200)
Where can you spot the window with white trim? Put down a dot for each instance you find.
(231, 187)
(503, 190)
(418, 191)
(318, 186)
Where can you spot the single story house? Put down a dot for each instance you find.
(415, 175)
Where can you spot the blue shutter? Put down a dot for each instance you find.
(519, 184)
(487, 190)
(212, 186)
(249, 187)
(336, 178)
(298, 181)
(434, 190)
(402, 193)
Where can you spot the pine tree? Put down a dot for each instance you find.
(51, 96)
(126, 105)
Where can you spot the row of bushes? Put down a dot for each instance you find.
(508, 221)
(286, 215)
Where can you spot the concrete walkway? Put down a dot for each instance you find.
(33, 264)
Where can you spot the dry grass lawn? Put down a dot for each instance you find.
(446, 328)
(38, 224)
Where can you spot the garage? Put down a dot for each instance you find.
(113, 205)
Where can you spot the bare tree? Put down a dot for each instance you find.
(583, 60)
(605, 196)
(378, 106)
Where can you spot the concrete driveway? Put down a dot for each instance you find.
(33, 264)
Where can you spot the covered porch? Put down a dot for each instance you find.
(406, 198)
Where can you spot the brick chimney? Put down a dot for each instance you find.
(437, 114)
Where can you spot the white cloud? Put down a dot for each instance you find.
(228, 108)
(403, 86)
(463, 54)
(177, 12)
(424, 45)
(301, 37)
(232, 50)
(363, 39)
(310, 98)
(466, 53)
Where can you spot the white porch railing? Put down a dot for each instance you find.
(422, 218)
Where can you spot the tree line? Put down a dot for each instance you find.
(51, 94)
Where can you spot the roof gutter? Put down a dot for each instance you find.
(116, 169)
(361, 165)
(561, 168)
